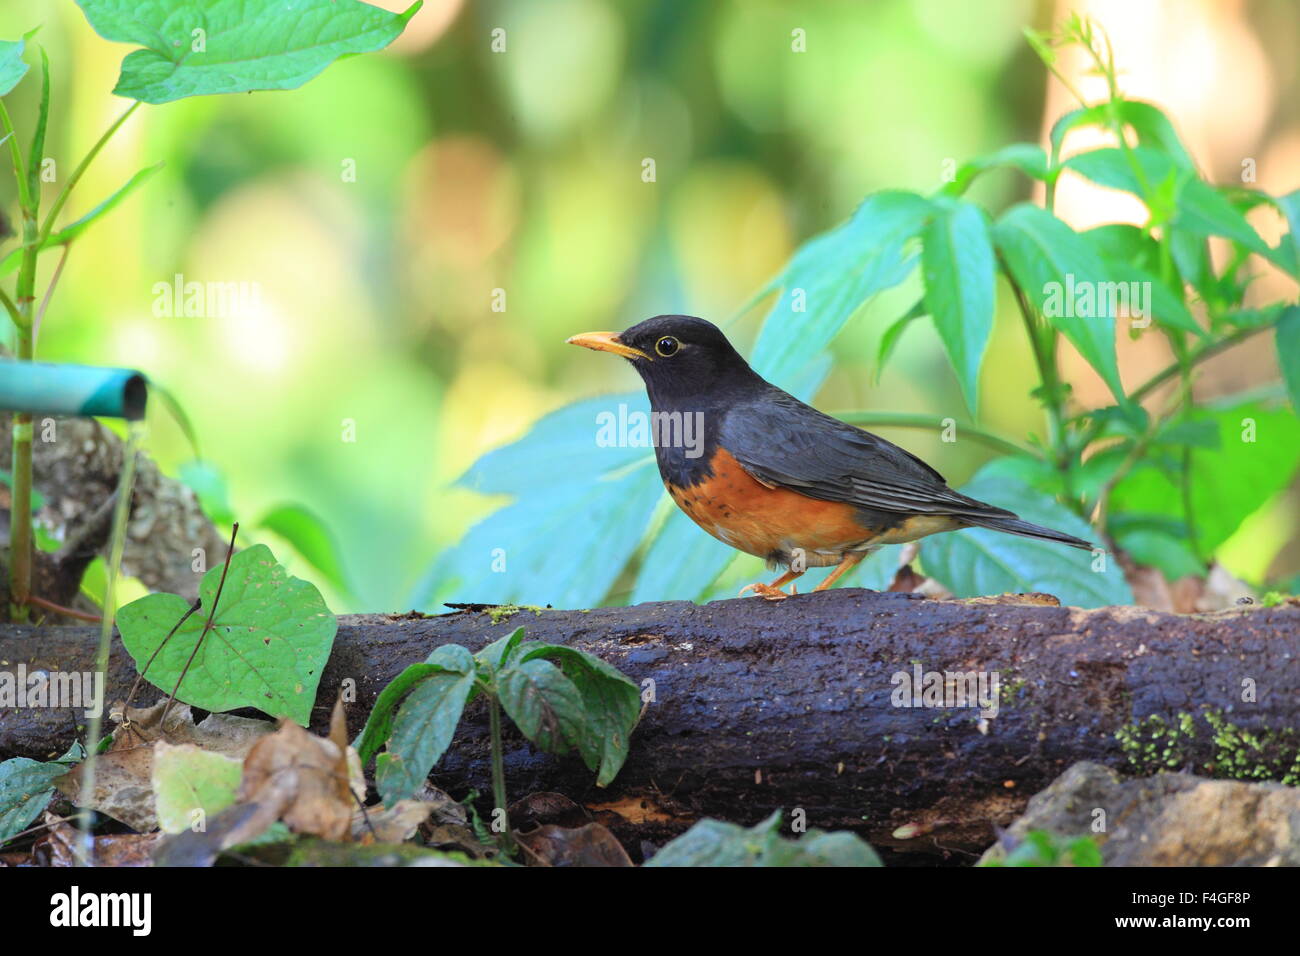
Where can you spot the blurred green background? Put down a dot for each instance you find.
(521, 171)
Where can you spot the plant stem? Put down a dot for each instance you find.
(117, 543)
(20, 507)
(1194, 358)
(910, 420)
(499, 770)
(77, 173)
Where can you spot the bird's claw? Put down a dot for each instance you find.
(766, 591)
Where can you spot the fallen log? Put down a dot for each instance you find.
(806, 705)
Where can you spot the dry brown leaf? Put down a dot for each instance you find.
(124, 774)
(590, 845)
(395, 824)
(61, 846)
(314, 784)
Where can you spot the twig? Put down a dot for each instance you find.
(49, 291)
(198, 603)
(207, 626)
(60, 609)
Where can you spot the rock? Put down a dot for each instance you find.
(1170, 819)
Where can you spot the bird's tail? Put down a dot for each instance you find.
(1013, 525)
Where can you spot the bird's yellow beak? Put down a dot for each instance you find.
(607, 342)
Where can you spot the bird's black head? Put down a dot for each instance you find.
(680, 357)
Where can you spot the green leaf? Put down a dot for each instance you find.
(544, 704)
(1202, 210)
(269, 641)
(1151, 125)
(209, 485)
(379, 725)
(1120, 242)
(894, 331)
(1157, 548)
(1029, 158)
(305, 530)
(186, 779)
(501, 651)
(1164, 304)
(958, 265)
(424, 726)
(1258, 452)
(1048, 260)
(979, 561)
(1288, 250)
(611, 704)
(712, 843)
(25, 788)
(566, 486)
(12, 66)
(1287, 336)
(234, 46)
(37, 154)
(831, 276)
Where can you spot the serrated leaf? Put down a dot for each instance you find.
(611, 705)
(545, 705)
(832, 275)
(269, 641)
(1148, 121)
(187, 779)
(1046, 255)
(425, 725)
(235, 46)
(958, 264)
(975, 562)
(1029, 158)
(1201, 209)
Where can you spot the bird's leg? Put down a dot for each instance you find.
(846, 564)
(771, 592)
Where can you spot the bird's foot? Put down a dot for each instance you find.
(767, 592)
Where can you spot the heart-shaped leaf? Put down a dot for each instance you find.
(269, 641)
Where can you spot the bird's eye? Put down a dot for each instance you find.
(667, 346)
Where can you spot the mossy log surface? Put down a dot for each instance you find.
(793, 705)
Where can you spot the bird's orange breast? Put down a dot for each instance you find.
(770, 521)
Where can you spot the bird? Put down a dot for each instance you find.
(774, 477)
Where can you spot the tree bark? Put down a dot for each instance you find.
(794, 705)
